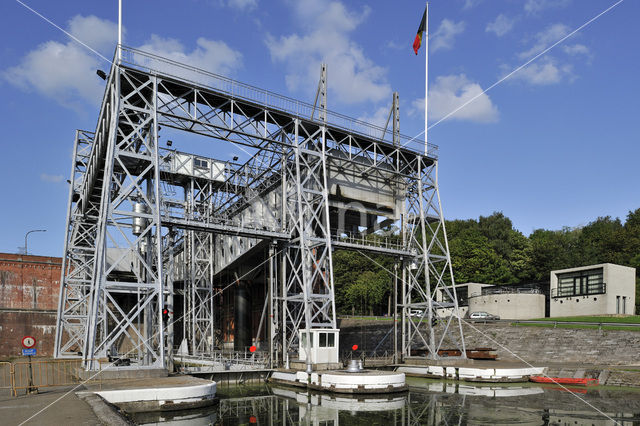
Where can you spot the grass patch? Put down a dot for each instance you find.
(367, 318)
(578, 326)
(634, 319)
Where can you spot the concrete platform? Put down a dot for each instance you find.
(489, 372)
(341, 381)
(157, 394)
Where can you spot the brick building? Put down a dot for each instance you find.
(29, 287)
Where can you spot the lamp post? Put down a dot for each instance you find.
(27, 234)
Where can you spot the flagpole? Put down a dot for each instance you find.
(119, 31)
(426, 78)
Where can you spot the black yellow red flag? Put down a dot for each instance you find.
(418, 40)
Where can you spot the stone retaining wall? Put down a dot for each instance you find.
(533, 344)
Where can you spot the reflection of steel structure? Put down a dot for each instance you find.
(146, 224)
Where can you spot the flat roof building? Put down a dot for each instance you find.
(604, 289)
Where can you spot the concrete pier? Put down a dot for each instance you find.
(471, 370)
(342, 381)
(157, 394)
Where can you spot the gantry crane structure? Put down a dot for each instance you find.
(147, 224)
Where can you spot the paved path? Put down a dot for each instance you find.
(70, 410)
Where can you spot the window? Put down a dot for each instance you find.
(624, 304)
(200, 163)
(617, 304)
(323, 340)
(580, 283)
(462, 293)
(331, 341)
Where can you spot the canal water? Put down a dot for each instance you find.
(428, 402)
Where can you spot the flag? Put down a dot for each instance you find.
(418, 40)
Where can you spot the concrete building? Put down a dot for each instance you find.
(521, 301)
(463, 292)
(29, 291)
(604, 289)
(509, 303)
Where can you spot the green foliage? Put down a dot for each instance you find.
(489, 250)
(363, 286)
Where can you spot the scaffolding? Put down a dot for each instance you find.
(148, 226)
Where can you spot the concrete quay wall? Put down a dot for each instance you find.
(533, 344)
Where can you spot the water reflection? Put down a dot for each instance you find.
(428, 403)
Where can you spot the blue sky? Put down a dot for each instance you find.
(555, 145)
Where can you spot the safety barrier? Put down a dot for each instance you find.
(30, 376)
(6, 376)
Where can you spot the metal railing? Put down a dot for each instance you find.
(589, 289)
(505, 291)
(224, 360)
(370, 241)
(374, 357)
(28, 376)
(151, 63)
(6, 376)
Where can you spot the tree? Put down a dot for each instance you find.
(368, 290)
(602, 241)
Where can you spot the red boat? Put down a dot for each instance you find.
(564, 380)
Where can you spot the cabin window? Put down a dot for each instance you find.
(331, 340)
(200, 163)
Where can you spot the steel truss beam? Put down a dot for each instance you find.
(77, 262)
(120, 211)
(430, 270)
(307, 293)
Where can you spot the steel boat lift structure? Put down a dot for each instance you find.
(148, 225)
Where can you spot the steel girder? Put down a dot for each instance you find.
(125, 311)
(430, 270)
(308, 299)
(77, 262)
(200, 314)
(292, 153)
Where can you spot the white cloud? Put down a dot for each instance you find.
(501, 25)
(100, 34)
(209, 55)
(66, 71)
(445, 35)
(544, 73)
(352, 76)
(379, 118)
(395, 45)
(470, 4)
(576, 49)
(549, 69)
(544, 39)
(450, 92)
(51, 178)
(536, 6)
(243, 4)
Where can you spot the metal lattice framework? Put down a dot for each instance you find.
(137, 221)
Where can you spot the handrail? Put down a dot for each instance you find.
(150, 62)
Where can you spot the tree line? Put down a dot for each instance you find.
(489, 250)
